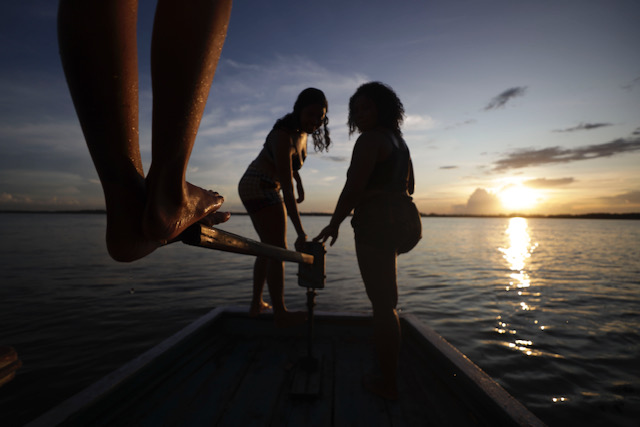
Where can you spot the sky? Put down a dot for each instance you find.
(529, 107)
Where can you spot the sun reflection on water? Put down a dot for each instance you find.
(518, 252)
(517, 255)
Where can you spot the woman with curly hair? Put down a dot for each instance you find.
(385, 221)
(275, 169)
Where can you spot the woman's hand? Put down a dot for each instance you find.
(299, 244)
(329, 231)
(300, 190)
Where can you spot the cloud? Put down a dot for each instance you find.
(338, 159)
(231, 126)
(622, 202)
(449, 167)
(328, 179)
(481, 202)
(418, 123)
(636, 132)
(459, 124)
(500, 100)
(548, 183)
(629, 86)
(631, 197)
(584, 126)
(530, 157)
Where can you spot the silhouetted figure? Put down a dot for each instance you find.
(98, 48)
(385, 221)
(274, 170)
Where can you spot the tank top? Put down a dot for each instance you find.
(392, 174)
(297, 159)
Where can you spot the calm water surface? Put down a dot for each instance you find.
(548, 307)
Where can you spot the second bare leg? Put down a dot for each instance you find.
(186, 46)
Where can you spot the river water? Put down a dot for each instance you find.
(548, 307)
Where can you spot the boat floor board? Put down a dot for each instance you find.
(234, 371)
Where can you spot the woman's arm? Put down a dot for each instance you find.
(282, 157)
(412, 182)
(299, 187)
(366, 152)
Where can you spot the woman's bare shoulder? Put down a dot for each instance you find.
(279, 135)
(279, 139)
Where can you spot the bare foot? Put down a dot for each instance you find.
(379, 387)
(215, 218)
(289, 319)
(125, 206)
(256, 309)
(126, 241)
(165, 218)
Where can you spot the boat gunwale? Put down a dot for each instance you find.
(109, 382)
(472, 374)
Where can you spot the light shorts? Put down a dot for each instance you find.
(258, 190)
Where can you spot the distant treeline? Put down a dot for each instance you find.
(566, 216)
(431, 215)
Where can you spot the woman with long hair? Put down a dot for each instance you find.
(274, 171)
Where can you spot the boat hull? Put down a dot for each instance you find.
(229, 369)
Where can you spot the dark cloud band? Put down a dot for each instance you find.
(500, 100)
(528, 158)
(584, 126)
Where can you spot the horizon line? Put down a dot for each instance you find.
(593, 215)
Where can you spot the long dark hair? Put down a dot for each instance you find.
(291, 121)
(389, 106)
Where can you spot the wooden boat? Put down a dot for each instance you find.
(229, 369)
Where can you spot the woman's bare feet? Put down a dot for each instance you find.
(166, 216)
(215, 218)
(258, 308)
(125, 238)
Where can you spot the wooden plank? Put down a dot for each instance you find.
(307, 378)
(218, 388)
(258, 392)
(170, 398)
(313, 411)
(158, 389)
(354, 406)
(308, 370)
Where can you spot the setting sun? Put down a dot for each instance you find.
(518, 197)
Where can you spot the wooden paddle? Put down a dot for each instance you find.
(312, 266)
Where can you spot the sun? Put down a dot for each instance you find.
(518, 198)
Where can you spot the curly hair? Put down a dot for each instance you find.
(291, 121)
(389, 106)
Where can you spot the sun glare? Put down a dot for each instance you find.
(518, 197)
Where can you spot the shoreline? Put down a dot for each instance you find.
(595, 215)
